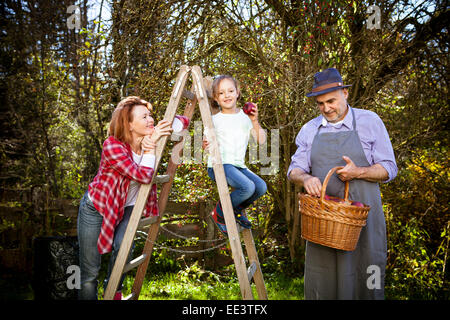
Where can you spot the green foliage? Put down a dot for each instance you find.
(418, 225)
(414, 270)
(192, 183)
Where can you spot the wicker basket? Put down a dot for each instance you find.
(329, 223)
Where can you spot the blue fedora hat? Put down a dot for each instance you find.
(326, 81)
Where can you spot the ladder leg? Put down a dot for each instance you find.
(144, 190)
(142, 270)
(222, 186)
(162, 202)
(174, 101)
(253, 258)
(127, 242)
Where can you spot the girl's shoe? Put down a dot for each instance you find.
(242, 219)
(118, 295)
(217, 217)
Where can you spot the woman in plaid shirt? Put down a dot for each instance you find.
(127, 160)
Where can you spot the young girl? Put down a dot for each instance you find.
(128, 160)
(232, 129)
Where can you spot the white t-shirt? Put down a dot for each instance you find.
(325, 122)
(232, 132)
(146, 160)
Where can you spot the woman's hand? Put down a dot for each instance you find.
(147, 145)
(163, 128)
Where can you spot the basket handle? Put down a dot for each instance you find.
(325, 183)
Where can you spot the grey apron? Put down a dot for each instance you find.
(337, 274)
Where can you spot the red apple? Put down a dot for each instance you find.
(248, 108)
(358, 204)
(180, 123)
(327, 197)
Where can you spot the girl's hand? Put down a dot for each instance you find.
(257, 132)
(163, 128)
(205, 144)
(254, 114)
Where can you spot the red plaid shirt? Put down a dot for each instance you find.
(108, 191)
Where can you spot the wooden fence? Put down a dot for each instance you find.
(26, 215)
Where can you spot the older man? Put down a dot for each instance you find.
(357, 140)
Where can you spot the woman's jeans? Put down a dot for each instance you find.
(89, 225)
(247, 186)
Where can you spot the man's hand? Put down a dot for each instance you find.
(312, 185)
(374, 173)
(350, 171)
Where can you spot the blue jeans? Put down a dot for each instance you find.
(89, 225)
(247, 186)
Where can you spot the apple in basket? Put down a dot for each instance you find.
(358, 204)
(327, 197)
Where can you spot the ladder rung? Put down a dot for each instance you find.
(134, 263)
(147, 221)
(129, 297)
(188, 95)
(162, 178)
(176, 137)
(251, 271)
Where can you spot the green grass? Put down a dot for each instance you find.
(206, 285)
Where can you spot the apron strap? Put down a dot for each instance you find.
(354, 118)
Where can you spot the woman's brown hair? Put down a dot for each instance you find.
(119, 127)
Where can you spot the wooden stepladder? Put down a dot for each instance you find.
(121, 266)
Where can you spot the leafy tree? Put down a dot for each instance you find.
(59, 87)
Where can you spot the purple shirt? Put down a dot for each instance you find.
(372, 134)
